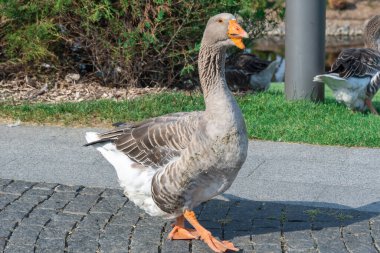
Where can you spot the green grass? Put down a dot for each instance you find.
(268, 116)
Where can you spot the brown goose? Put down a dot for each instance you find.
(338, 4)
(247, 69)
(355, 75)
(372, 33)
(170, 164)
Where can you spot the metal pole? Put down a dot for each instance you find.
(304, 48)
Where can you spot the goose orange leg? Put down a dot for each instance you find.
(179, 232)
(370, 106)
(206, 236)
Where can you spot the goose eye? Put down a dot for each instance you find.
(220, 20)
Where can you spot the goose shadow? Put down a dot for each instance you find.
(247, 222)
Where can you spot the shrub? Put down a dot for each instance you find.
(120, 42)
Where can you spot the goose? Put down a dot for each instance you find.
(170, 164)
(247, 69)
(338, 4)
(354, 77)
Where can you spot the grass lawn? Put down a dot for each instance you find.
(268, 116)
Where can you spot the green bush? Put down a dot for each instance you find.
(120, 42)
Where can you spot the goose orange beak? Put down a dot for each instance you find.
(236, 33)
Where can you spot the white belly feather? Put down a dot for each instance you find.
(135, 180)
(351, 91)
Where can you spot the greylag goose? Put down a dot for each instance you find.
(355, 75)
(338, 4)
(248, 70)
(170, 164)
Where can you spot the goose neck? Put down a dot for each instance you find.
(211, 63)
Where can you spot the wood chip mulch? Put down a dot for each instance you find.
(29, 90)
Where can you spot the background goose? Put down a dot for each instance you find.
(338, 4)
(170, 164)
(247, 70)
(355, 75)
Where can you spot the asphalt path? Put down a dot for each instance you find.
(290, 173)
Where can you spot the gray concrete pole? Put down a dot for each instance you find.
(304, 48)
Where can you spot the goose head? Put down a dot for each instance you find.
(223, 30)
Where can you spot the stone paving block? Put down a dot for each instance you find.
(214, 210)
(66, 217)
(265, 240)
(6, 199)
(38, 192)
(241, 211)
(296, 213)
(173, 246)
(299, 241)
(109, 205)
(328, 240)
(12, 248)
(81, 204)
(33, 199)
(6, 226)
(53, 233)
(18, 187)
(118, 247)
(233, 225)
(45, 186)
(39, 216)
(127, 215)
(2, 243)
(375, 227)
(81, 235)
(266, 225)
(58, 200)
(267, 210)
(22, 206)
(199, 246)
(112, 192)
(214, 214)
(5, 181)
(50, 245)
(295, 225)
(25, 235)
(147, 235)
(91, 191)
(357, 237)
(290, 250)
(84, 240)
(241, 239)
(116, 239)
(118, 232)
(212, 223)
(83, 246)
(12, 215)
(94, 221)
(326, 215)
(67, 188)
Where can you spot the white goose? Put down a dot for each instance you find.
(170, 164)
(355, 75)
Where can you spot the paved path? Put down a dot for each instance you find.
(287, 198)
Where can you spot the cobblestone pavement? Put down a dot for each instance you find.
(45, 217)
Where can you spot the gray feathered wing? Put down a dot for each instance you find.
(357, 62)
(154, 142)
(240, 67)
